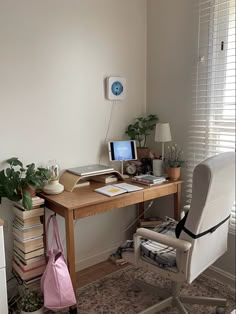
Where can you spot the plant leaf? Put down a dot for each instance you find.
(2, 176)
(26, 199)
(14, 161)
(36, 182)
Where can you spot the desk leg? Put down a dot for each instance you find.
(140, 207)
(177, 199)
(70, 245)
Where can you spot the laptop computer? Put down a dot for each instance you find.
(90, 169)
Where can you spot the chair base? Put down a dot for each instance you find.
(177, 300)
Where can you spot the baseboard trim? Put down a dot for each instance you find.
(95, 259)
(221, 276)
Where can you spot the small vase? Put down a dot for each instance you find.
(157, 166)
(174, 173)
(143, 152)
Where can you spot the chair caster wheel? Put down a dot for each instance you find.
(220, 310)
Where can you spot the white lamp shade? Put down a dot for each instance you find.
(162, 133)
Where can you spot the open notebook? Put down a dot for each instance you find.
(117, 189)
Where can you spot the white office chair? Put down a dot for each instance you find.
(204, 236)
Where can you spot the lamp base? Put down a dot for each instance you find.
(53, 187)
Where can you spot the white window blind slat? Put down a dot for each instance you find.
(212, 128)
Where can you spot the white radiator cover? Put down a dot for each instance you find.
(3, 285)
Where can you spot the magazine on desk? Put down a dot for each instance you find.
(117, 189)
(148, 179)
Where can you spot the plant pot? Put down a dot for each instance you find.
(173, 173)
(27, 188)
(39, 311)
(143, 152)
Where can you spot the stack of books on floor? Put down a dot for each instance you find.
(148, 179)
(29, 256)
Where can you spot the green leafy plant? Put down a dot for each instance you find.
(31, 301)
(174, 157)
(141, 128)
(16, 181)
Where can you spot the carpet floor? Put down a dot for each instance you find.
(117, 294)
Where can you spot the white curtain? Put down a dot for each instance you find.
(212, 128)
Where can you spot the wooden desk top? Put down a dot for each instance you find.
(85, 201)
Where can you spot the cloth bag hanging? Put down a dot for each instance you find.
(56, 284)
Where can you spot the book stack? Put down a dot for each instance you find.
(148, 179)
(150, 223)
(105, 178)
(29, 258)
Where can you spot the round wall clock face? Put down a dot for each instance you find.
(117, 88)
(131, 169)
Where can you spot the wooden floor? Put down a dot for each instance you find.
(96, 272)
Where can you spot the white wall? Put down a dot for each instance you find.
(171, 57)
(54, 57)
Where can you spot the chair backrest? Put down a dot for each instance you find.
(212, 200)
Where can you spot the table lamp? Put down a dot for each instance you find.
(53, 186)
(162, 135)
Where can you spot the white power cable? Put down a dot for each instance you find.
(136, 219)
(108, 128)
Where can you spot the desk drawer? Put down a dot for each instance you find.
(152, 193)
(111, 203)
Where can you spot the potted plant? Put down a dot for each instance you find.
(174, 161)
(139, 131)
(20, 183)
(31, 302)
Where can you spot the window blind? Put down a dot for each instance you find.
(212, 129)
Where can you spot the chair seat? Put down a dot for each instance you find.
(154, 252)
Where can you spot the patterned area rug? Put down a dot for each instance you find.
(117, 294)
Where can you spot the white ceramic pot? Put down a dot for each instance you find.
(40, 311)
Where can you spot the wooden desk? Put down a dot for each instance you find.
(84, 202)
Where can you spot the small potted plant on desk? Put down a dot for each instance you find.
(31, 303)
(20, 183)
(173, 162)
(139, 130)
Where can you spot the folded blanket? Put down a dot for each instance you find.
(153, 251)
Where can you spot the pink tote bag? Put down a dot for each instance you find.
(56, 284)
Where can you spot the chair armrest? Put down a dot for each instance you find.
(179, 244)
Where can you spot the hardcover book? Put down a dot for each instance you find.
(29, 273)
(25, 214)
(30, 260)
(28, 267)
(24, 223)
(27, 233)
(30, 254)
(105, 178)
(148, 179)
(29, 246)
